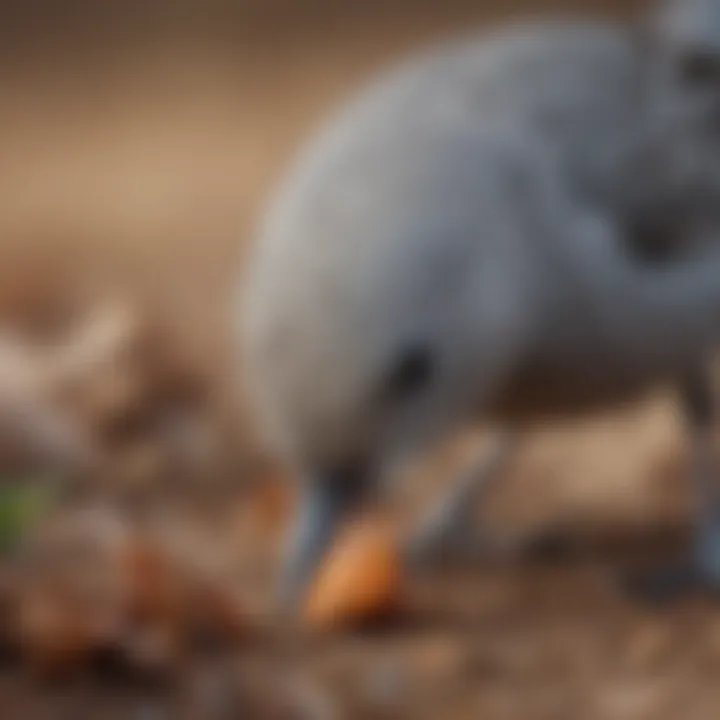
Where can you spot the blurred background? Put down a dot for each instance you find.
(138, 516)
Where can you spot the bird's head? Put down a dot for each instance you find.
(361, 316)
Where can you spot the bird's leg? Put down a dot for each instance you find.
(448, 529)
(706, 544)
(701, 569)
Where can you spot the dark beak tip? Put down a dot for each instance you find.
(322, 509)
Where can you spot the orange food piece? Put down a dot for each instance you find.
(361, 579)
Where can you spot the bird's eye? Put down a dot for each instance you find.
(411, 373)
(700, 69)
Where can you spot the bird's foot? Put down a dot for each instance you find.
(428, 548)
(666, 584)
(699, 574)
(425, 551)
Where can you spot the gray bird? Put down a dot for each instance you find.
(510, 228)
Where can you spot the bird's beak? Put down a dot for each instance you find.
(324, 505)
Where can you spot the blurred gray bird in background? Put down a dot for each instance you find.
(511, 228)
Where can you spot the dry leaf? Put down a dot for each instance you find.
(53, 638)
(74, 589)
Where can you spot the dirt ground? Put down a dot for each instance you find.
(134, 170)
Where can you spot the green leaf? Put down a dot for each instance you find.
(21, 507)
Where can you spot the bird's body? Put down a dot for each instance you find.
(505, 147)
(486, 216)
